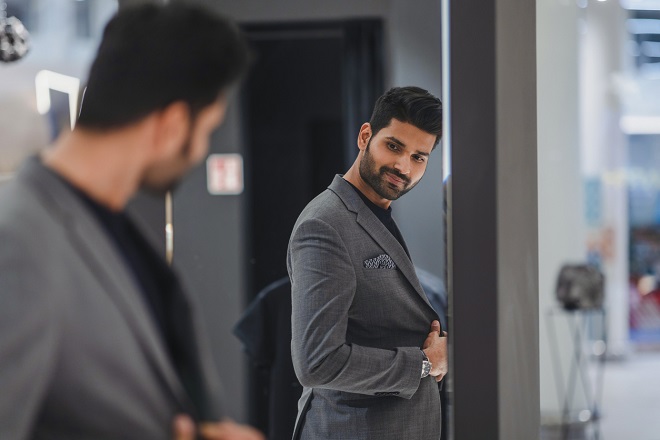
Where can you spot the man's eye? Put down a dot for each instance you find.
(419, 158)
(392, 146)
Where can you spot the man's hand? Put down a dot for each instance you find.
(435, 347)
(228, 430)
(184, 429)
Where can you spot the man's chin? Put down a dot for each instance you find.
(388, 194)
(389, 191)
(160, 189)
(395, 193)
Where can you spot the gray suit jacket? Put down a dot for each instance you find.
(80, 355)
(358, 324)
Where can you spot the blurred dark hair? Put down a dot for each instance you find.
(412, 105)
(153, 55)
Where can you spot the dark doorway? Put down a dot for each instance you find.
(311, 87)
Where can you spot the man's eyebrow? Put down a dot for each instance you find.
(396, 141)
(401, 144)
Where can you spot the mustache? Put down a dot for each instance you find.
(384, 170)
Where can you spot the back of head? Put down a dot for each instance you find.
(153, 55)
(411, 105)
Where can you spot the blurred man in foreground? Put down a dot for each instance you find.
(97, 338)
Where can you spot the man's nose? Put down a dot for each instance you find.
(402, 165)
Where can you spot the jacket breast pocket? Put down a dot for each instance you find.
(383, 274)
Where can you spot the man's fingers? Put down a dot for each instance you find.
(444, 334)
(183, 427)
(435, 326)
(229, 430)
(430, 339)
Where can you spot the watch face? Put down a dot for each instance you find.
(426, 368)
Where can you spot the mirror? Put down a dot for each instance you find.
(290, 129)
(317, 73)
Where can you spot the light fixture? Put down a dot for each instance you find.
(14, 38)
(632, 124)
(641, 5)
(638, 26)
(46, 80)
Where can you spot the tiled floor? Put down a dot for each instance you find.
(631, 398)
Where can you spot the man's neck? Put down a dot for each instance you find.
(353, 176)
(92, 163)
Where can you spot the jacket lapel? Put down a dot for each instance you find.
(109, 268)
(375, 228)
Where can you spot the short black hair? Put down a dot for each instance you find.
(412, 105)
(152, 55)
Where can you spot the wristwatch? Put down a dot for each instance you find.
(426, 365)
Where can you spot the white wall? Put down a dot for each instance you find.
(604, 152)
(579, 52)
(54, 46)
(560, 201)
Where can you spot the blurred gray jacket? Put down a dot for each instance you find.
(80, 355)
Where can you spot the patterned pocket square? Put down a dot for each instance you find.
(380, 262)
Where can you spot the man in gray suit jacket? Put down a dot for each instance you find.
(97, 338)
(366, 344)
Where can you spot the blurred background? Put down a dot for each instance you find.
(319, 67)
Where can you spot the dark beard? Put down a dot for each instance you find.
(175, 181)
(377, 181)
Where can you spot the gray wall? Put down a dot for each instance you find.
(494, 317)
(415, 58)
(209, 249)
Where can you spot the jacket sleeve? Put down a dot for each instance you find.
(28, 340)
(323, 283)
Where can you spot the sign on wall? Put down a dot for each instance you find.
(224, 174)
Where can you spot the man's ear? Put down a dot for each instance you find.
(363, 136)
(173, 127)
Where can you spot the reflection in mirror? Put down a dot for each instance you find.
(316, 76)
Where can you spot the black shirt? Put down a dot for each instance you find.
(161, 293)
(384, 215)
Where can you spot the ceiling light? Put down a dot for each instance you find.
(641, 5)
